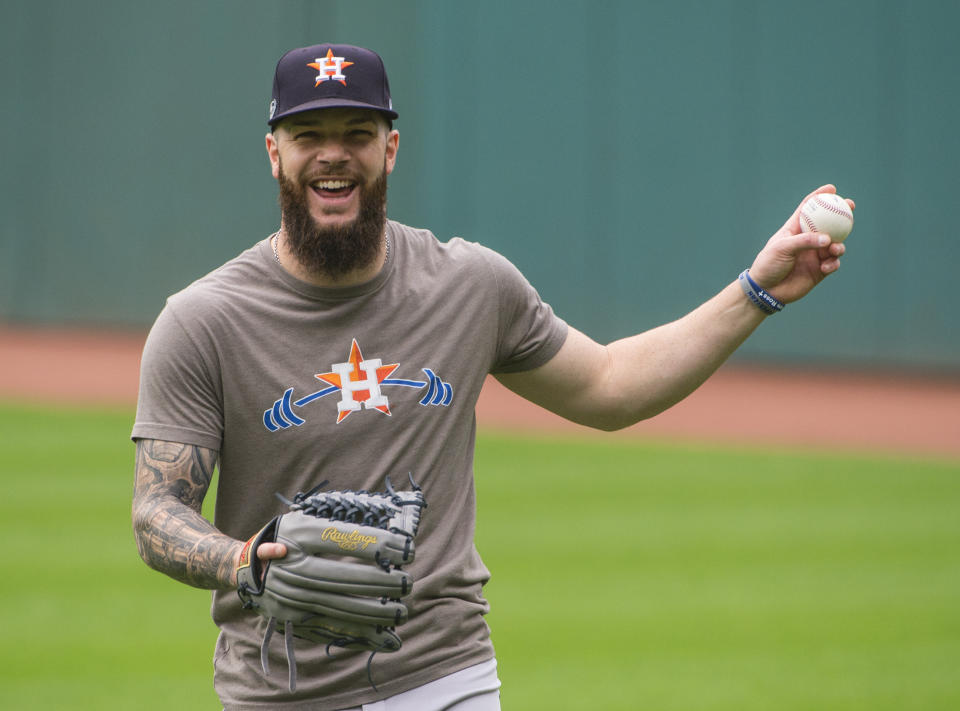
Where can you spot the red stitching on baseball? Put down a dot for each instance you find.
(832, 208)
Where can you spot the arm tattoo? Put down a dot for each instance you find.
(172, 536)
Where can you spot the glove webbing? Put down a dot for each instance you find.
(393, 511)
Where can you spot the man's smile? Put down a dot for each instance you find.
(334, 190)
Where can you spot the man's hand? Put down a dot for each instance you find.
(793, 261)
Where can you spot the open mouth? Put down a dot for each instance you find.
(333, 188)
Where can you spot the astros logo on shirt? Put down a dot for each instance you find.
(360, 382)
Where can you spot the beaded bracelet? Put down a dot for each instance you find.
(761, 299)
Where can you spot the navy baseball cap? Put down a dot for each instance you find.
(327, 76)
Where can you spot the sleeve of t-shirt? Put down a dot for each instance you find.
(180, 394)
(529, 332)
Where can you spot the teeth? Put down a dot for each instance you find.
(332, 184)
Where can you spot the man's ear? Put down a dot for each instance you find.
(393, 145)
(273, 153)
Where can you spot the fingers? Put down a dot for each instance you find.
(271, 551)
(829, 254)
(815, 240)
(789, 248)
(830, 257)
(807, 240)
(829, 266)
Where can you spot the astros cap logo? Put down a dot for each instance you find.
(330, 67)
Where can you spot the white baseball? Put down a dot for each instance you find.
(827, 213)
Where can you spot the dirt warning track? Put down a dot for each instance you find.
(738, 405)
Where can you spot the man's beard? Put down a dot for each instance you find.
(336, 250)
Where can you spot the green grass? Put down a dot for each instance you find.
(86, 625)
(689, 578)
(625, 575)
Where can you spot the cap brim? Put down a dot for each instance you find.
(330, 104)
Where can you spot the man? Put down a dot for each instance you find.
(241, 370)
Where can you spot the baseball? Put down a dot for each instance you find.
(827, 213)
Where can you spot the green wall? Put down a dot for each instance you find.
(630, 157)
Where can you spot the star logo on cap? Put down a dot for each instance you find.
(330, 67)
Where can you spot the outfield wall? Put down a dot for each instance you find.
(630, 157)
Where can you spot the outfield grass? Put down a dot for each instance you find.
(686, 578)
(625, 575)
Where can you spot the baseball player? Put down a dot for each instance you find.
(346, 350)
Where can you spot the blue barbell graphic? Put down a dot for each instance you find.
(282, 416)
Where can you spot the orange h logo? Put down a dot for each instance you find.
(330, 67)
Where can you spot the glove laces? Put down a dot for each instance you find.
(288, 635)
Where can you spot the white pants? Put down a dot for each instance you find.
(475, 688)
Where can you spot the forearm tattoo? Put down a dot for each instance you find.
(172, 536)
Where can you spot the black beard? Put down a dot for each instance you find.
(339, 250)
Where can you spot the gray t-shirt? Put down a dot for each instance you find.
(295, 384)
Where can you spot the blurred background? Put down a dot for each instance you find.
(629, 157)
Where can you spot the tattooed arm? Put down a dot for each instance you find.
(172, 537)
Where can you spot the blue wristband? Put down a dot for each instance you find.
(761, 299)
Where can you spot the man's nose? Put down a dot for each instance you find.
(332, 150)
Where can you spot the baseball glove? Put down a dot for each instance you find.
(340, 583)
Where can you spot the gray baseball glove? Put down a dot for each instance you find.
(340, 583)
